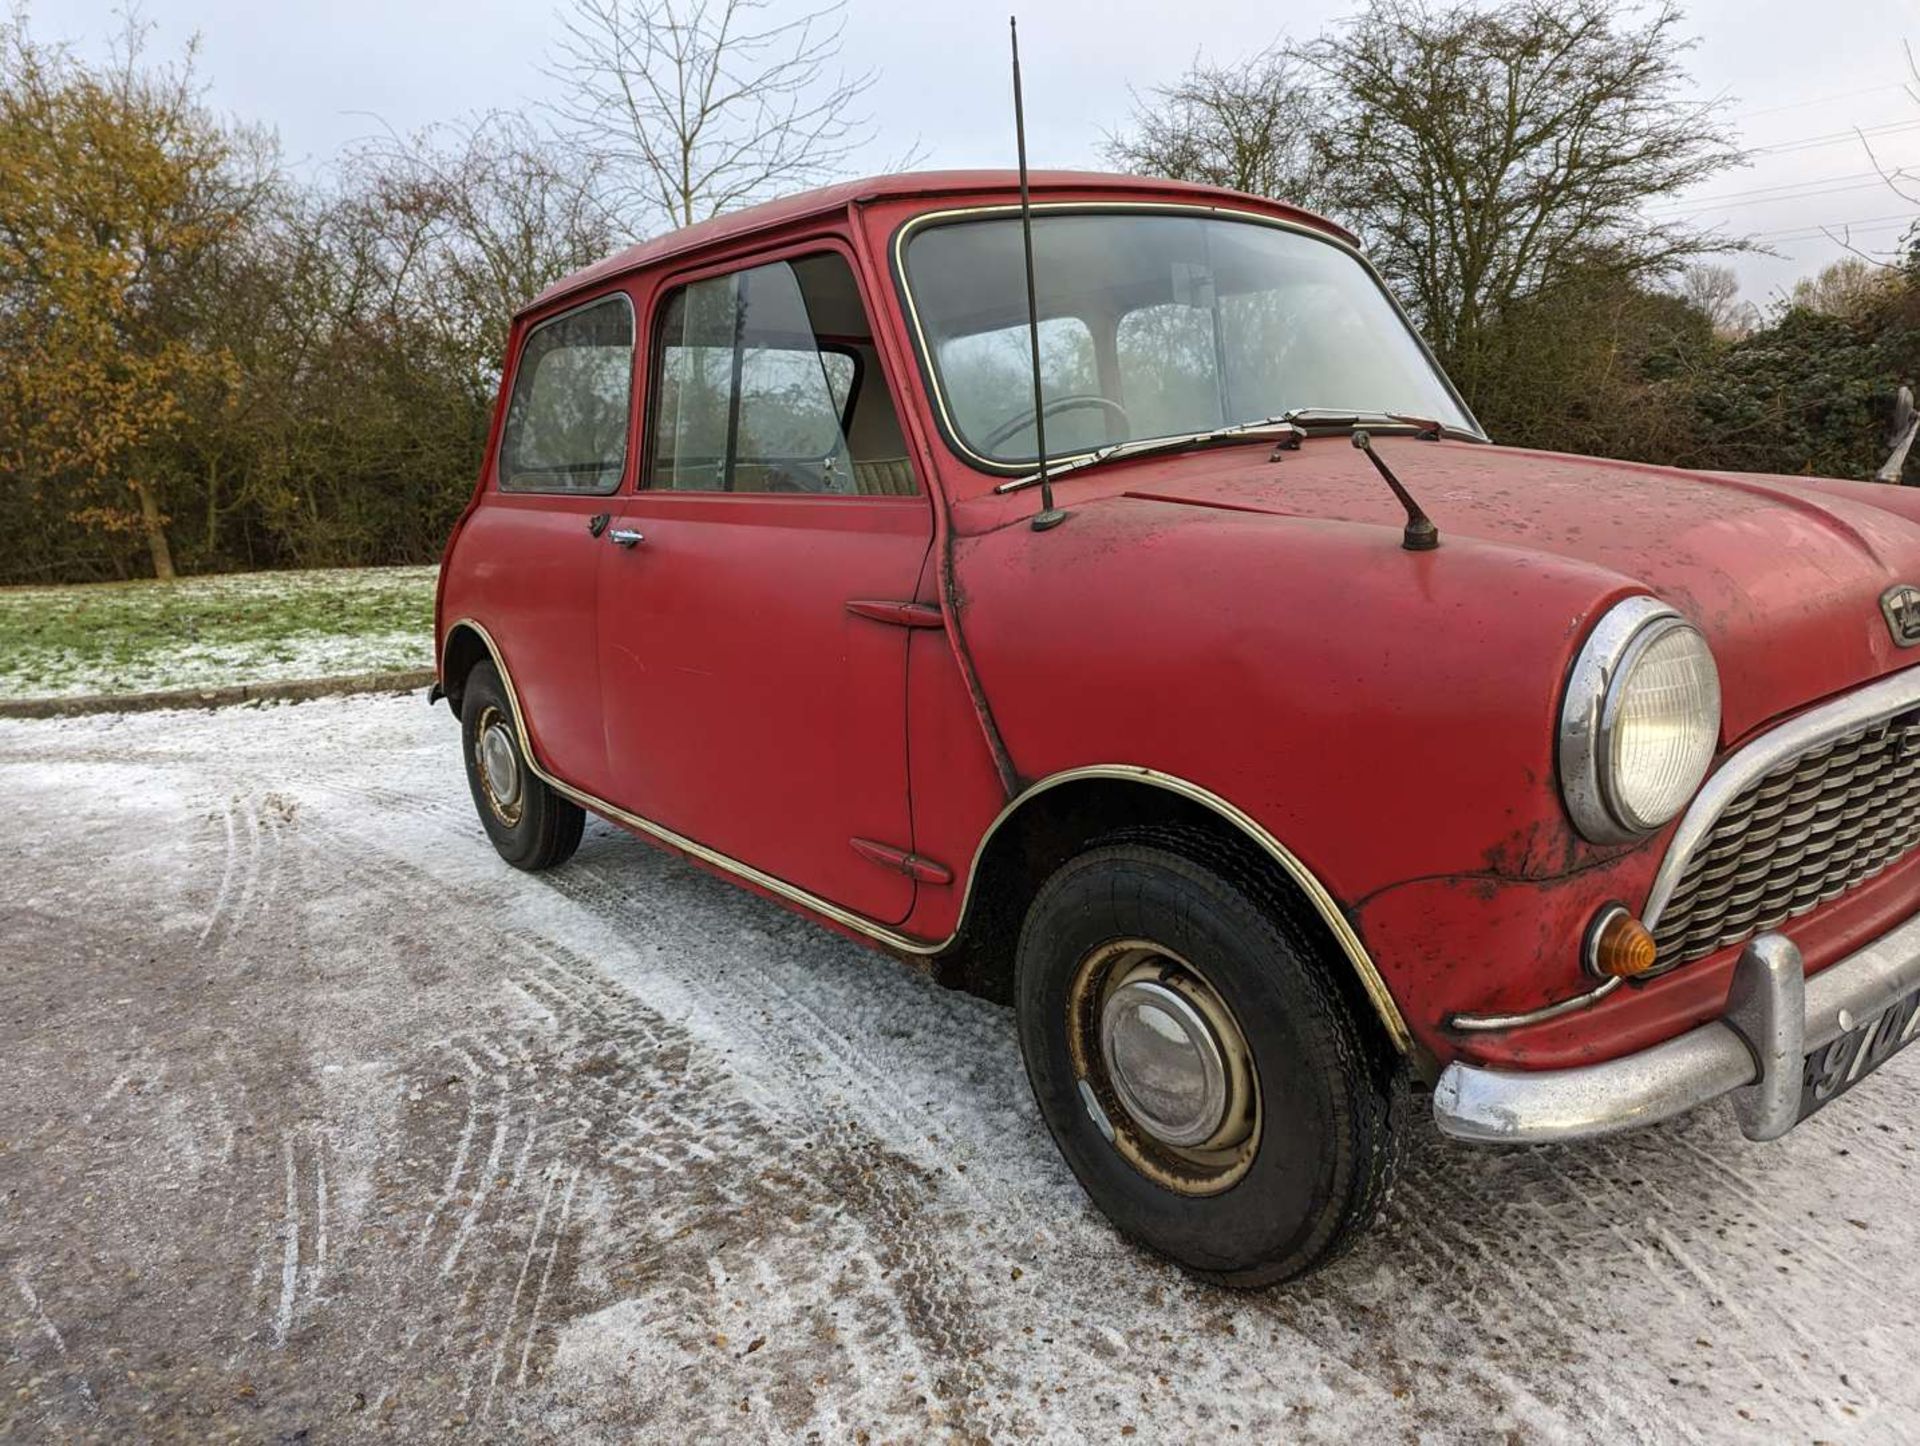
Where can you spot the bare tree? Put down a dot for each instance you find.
(1714, 291)
(1247, 126)
(1486, 152)
(694, 107)
(1903, 181)
(1848, 288)
(474, 219)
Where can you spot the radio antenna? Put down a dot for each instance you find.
(1049, 515)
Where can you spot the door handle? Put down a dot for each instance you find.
(626, 537)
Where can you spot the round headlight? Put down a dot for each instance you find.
(1640, 721)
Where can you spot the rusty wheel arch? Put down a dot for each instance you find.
(1071, 812)
(466, 646)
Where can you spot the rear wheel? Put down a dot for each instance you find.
(1212, 1089)
(531, 825)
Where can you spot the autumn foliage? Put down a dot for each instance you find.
(115, 193)
(206, 365)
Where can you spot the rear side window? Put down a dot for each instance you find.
(567, 419)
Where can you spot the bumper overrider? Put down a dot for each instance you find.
(1758, 1052)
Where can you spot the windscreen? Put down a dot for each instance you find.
(1155, 325)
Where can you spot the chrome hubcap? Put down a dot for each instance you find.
(1164, 1062)
(1164, 1071)
(499, 766)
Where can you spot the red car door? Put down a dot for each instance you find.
(527, 555)
(745, 706)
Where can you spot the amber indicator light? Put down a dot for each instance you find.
(1623, 947)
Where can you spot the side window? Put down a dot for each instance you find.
(694, 406)
(762, 382)
(792, 403)
(566, 427)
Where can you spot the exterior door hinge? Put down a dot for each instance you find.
(899, 614)
(902, 862)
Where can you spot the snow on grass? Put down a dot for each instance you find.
(210, 632)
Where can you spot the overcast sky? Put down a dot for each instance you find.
(1799, 78)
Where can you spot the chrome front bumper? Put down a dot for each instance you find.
(1755, 1052)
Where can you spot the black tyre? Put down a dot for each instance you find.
(532, 826)
(1211, 1087)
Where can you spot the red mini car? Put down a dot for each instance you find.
(1257, 794)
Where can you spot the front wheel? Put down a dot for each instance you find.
(531, 825)
(1213, 1091)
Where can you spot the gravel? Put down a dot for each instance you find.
(319, 1123)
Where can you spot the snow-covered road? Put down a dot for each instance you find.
(314, 1115)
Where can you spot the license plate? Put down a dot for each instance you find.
(1836, 1068)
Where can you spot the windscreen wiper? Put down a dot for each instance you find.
(1349, 418)
(1281, 429)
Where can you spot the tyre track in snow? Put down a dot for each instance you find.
(889, 1193)
(584, 1112)
(713, 1162)
(1573, 1224)
(846, 1167)
(243, 925)
(251, 826)
(442, 1261)
(838, 1164)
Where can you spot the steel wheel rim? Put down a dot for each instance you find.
(496, 759)
(1163, 1067)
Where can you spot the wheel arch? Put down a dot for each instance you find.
(466, 646)
(1066, 813)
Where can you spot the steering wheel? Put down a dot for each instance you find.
(1077, 402)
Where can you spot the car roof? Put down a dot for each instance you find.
(907, 184)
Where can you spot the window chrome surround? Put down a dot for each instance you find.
(930, 374)
(1589, 715)
(1328, 910)
(519, 359)
(680, 282)
(1861, 708)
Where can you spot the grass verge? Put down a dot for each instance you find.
(214, 632)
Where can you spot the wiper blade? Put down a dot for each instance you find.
(1277, 427)
(1289, 426)
(1350, 418)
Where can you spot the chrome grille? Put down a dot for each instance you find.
(1796, 837)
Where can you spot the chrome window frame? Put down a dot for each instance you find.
(930, 372)
(657, 369)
